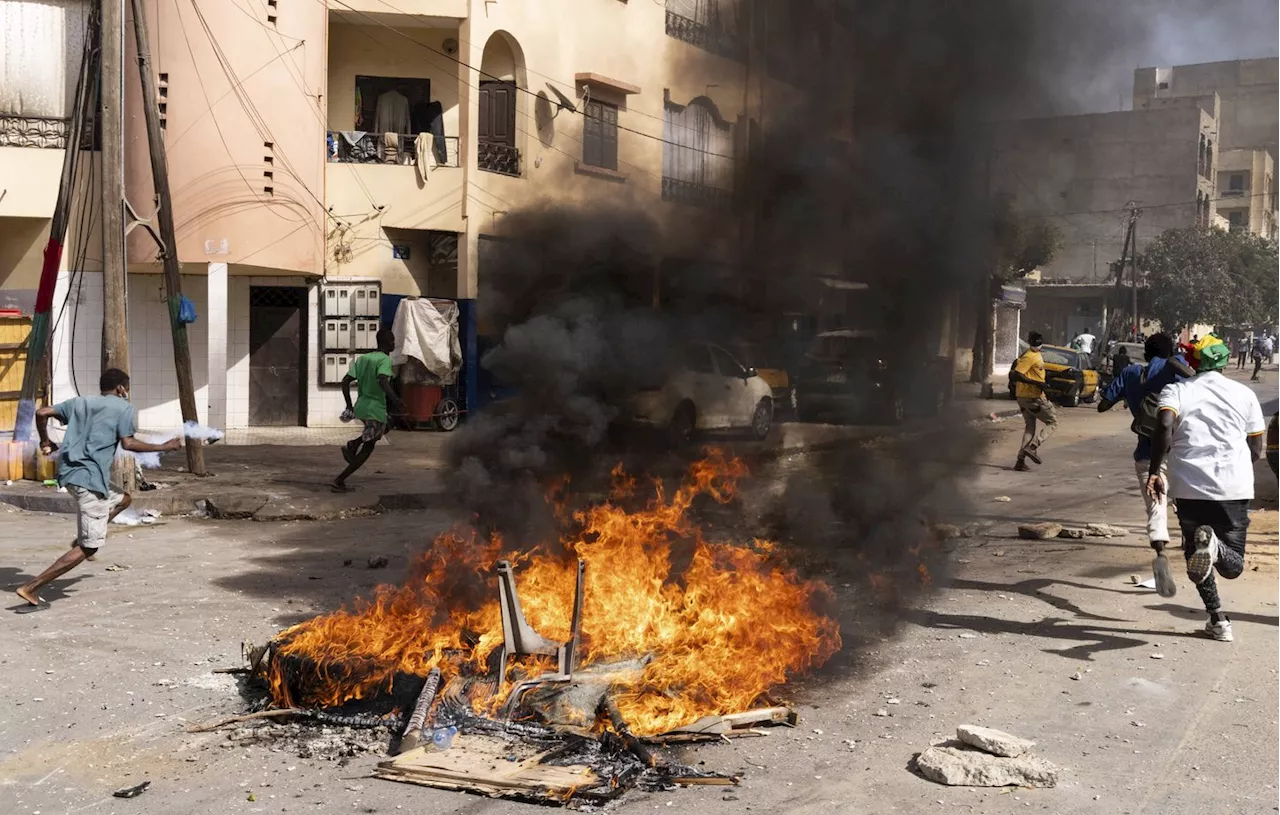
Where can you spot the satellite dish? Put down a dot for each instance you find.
(563, 102)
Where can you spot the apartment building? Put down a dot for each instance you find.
(286, 186)
(1081, 171)
(1248, 123)
(1245, 193)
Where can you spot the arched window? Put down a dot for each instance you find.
(697, 154)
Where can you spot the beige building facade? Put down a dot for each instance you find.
(285, 182)
(1080, 172)
(1245, 197)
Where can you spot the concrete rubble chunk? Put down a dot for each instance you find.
(995, 742)
(1106, 531)
(1039, 531)
(960, 767)
(1070, 532)
(946, 531)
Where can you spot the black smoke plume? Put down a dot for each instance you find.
(875, 173)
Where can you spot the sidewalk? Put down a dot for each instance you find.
(289, 480)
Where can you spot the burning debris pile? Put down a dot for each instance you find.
(631, 626)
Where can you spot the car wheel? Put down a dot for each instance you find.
(1090, 399)
(762, 419)
(447, 415)
(1071, 399)
(683, 424)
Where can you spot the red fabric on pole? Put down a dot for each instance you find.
(49, 275)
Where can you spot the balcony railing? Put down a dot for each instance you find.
(696, 195)
(707, 37)
(33, 131)
(498, 158)
(359, 147)
(1232, 193)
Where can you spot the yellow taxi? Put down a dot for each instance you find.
(1070, 377)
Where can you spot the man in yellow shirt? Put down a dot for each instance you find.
(1028, 378)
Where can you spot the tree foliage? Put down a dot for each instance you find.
(1197, 275)
(1022, 242)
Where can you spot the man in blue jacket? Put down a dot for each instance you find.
(1140, 385)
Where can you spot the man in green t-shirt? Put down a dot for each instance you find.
(372, 374)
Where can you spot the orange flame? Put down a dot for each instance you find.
(730, 626)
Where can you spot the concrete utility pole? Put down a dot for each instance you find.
(169, 244)
(115, 338)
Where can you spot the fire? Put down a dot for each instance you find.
(729, 626)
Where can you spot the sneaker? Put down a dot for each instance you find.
(1031, 454)
(1220, 631)
(1200, 564)
(1021, 466)
(1165, 586)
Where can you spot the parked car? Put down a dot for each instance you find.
(769, 367)
(1135, 350)
(710, 390)
(846, 376)
(1070, 377)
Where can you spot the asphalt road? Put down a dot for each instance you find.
(99, 688)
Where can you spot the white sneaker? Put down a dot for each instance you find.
(1200, 564)
(1220, 631)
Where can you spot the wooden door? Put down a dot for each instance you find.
(14, 332)
(277, 356)
(497, 113)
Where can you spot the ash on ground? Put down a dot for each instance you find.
(310, 740)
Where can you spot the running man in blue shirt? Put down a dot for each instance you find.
(1140, 385)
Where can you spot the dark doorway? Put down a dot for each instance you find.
(277, 356)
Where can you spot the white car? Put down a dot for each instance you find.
(710, 391)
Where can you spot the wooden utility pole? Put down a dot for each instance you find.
(115, 262)
(169, 244)
(1134, 214)
(115, 338)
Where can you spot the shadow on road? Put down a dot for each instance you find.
(1092, 639)
(63, 587)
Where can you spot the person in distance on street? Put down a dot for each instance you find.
(1028, 378)
(1210, 430)
(1139, 386)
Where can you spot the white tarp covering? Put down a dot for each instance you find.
(427, 331)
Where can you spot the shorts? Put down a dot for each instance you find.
(373, 430)
(92, 514)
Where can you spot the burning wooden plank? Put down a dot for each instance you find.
(500, 768)
(734, 724)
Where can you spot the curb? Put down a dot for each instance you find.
(234, 506)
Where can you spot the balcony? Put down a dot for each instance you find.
(696, 195)
(363, 176)
(371, 148)
(415, 12)
(711, 38)
(498, 158)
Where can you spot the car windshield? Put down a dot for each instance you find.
(756, 355)
(1058, 356)
(844, 346)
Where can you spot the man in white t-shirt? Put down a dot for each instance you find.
(1084, 342)
(1211, 429)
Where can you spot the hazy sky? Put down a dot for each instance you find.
(1094, 45)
